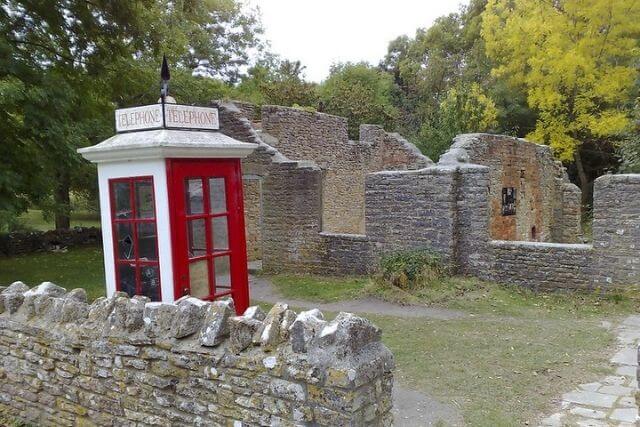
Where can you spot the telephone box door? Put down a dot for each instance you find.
(208, 236)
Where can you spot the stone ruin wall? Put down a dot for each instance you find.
(448, 207)
(300, 147)
(122, 361)
(545, 198)
(323, 139)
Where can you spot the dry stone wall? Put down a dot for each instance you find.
(616, 228)
(545, 266)
(19, 243)
(323, 139)
(612, 260)
(122, 361)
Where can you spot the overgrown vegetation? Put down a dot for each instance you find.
(410, 270)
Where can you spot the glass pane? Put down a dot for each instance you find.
(217, 195)
(220, 233)
(197, 237)
(121, 193)
(147, 241)
(222, 269)
(150, 281)
(199, 278)
(193, 190)
(127, 278)
(144, 199)
(124, 238)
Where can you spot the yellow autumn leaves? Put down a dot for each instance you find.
(577, 61)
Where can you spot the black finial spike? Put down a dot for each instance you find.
(165, 76)
(164, 71)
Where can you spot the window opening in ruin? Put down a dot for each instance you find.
(534, 233)
(508, 201)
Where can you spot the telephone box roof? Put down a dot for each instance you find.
(166, 143)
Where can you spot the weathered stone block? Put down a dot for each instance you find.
(304, 329)
(242, 329)
(216, 322)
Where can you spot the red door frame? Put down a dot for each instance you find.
(177, 171)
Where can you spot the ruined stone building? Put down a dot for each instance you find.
(497, 207)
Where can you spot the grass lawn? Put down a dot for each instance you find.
(321, 289)
(77, 268)
(33, 219)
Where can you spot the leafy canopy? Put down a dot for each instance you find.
(361, 93)
(575, 59)
(466, 108)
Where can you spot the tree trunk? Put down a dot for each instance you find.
(62, 201)
(583, 179)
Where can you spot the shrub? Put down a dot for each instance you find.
(411, 269)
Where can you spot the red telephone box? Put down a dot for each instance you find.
(207, 223)
(171, 205)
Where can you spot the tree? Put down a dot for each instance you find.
(278, 82)
(465, 108)
(576, 60)
(449, 55)
(361, 93)
(74, 60)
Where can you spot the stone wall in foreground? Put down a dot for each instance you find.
(122, 361)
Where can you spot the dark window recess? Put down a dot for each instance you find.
(135, 237)
(508, 201)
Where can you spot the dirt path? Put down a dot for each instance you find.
(262, 289)
(411, 408)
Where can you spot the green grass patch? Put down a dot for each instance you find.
(33, 219)
(76, 268)
(479, 297)
(499, 372)
(319, 289)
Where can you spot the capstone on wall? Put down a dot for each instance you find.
(546, 207)
(122, 361)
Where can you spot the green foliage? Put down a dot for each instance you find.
(411, 269)
(361, 93)
(464, 109)
(448, 56)
(576, 60)
(277, 82)
(630, 148)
